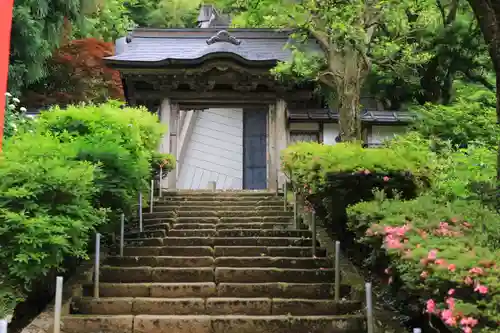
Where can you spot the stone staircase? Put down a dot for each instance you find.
(216, 262)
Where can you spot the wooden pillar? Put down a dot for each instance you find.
(168, 116)
(281, 137)
(271, 149)
(174, 129)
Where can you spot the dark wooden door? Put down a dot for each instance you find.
(254, 149)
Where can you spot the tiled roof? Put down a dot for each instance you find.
(187, 45)
(367, 116)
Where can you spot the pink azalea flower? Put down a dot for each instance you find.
(447, 316)
(468, 280)
(481, 289)
(451, 303)
(469, 321)
(452, 267)
(476, 270)
(424, 275)
(386, 179)
(366, 172)
(431, 306)
(432, 254)
(467, 329)
(451, 291)
(440, 262)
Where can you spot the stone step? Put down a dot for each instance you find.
(211, 324)
(160, 261)
(156, 274)
(219, 199)
(264, 233)
(161, 207)
(210, 289)
(188, 251)
(233, 233)
(134, 227)
(193, 226)
(212, 306)
(255, 225)
(229, 226)
(270, 251)
(281, 290)
(261, 274)
(146, 233)
(217, 214)
(225, 193)
(220, 241)
(278, 262)
(216, 220)
(187, 203)
(178, 261)
(146, 289)
(193, 232)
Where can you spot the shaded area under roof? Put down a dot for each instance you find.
(367, 116)
(151, 46)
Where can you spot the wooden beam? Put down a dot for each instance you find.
(185, 135)
(224, 97)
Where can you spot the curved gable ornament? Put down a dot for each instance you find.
(223, 36)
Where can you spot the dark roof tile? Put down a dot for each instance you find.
(161, 46)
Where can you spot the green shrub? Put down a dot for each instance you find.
(164, 161)
(471, 118)
(310, 163)
(120, 140)
(443, 252)
(45, 210)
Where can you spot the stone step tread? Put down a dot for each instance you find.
(205, 261)
(163, 261)
(221, 241)
(210, 289)
(231, 226)
(224, 251)
(212, 324)
(212, 306)
(157, 274)
(219, 213)
(215, 219)
(257, 208)
(169, 251)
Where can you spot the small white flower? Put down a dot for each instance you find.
(16, 100)
(23, 109)
(8, 94)
(12, 107)
(14, 126)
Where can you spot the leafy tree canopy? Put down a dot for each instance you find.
(36, 32)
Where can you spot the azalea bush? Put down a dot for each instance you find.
(443, 253)
(165, 162)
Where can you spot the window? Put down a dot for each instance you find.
(304, 136)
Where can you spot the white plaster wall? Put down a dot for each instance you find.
(380, 133)
(330, 132)
(214, 151)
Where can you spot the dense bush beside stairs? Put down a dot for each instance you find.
(62, 178)
(426, 222)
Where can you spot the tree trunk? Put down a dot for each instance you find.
(350, 75)
(487, 13)
(349, 112)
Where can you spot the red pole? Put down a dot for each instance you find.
(6, 8)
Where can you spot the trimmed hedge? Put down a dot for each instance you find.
(70, 173)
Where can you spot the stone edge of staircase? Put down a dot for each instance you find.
(384, 319)
(73, 287)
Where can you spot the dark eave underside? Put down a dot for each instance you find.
(326, 115)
